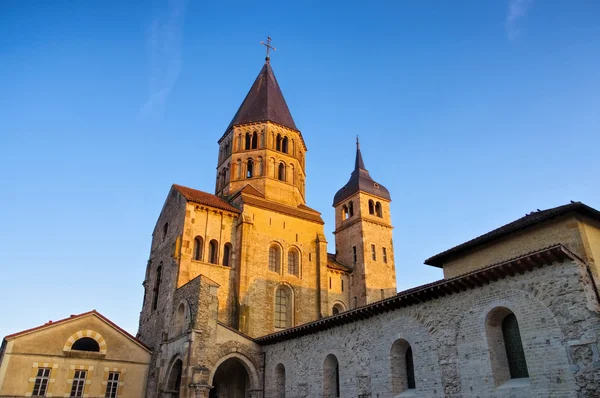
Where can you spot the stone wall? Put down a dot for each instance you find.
(261, 229)
(559, 320)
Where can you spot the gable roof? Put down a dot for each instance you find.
(204, 198)
(50, 324)
(301, 211)
(430, 291)
(528, 220)
(264, 102)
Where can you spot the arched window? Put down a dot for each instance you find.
(403, 370)
(174, 380)
(284, 145)
(505, 346)
(344, 212)
(331, 377)
(275, 258)
(250, 169)
(86, 344)
(378, 209)
(247, 142)
(280, 381)
(227, 254)
(371, 207)
(164, 231)
(180, 319)
(213, 254)
(156, 287)
(198, 246)
(350, 209)
(254, 140)
(337, 308)
(278, 143)
(281, 172)
(293, 262)
(283, 307)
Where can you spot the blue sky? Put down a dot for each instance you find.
(472, 113)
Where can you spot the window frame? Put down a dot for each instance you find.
(112, 385)
(41, 382)
(275, 258)
(283, 311)
(294, 266)
(78, 383)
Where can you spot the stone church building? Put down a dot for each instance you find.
(242, 298)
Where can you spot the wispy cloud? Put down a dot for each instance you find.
(165, 56)
(517, 9)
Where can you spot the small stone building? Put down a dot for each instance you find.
(84, 355)
(243, 300)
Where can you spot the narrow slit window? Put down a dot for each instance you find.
(373, 253)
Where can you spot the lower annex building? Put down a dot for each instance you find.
(243, 300)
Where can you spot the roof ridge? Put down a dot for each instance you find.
(526, 221)
(74, 317)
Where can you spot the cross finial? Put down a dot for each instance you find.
(269, 47)
(357, 143)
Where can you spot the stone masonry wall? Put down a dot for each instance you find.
(559, 320)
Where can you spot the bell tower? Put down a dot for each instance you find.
(363, 235)
(262, 146)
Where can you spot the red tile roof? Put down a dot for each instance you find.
(528, 220)
(205, 198)
(73, 317)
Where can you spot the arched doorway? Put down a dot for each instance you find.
(174, 379)
(231, 380)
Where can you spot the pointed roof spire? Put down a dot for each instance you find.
(264, 102)
(360, 180)
(358, 163)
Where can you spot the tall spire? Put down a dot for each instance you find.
(264, 102)
(360, 181)
(358, 163)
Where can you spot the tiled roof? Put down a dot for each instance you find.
(334, 264)
(73, 317)
(360, 180)
(430, 291)
(264, 102)
(528, 220)
(204, 198)
(304, 212)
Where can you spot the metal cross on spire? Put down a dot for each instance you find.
(269, 47)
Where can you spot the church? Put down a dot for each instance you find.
(243, 300)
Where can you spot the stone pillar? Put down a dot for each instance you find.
(322, 286)
(200, 390)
